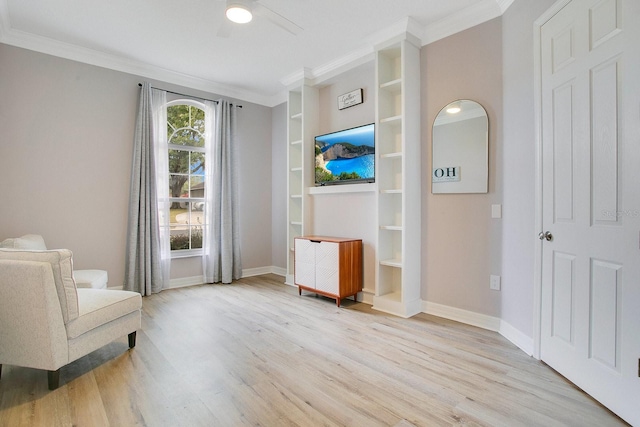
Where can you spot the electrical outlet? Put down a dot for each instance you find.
(494, 283)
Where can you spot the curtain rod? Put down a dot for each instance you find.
(191, 96)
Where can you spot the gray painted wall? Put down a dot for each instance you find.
(65, 161)
(461, 243)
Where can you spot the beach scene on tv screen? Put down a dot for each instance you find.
(345, 156)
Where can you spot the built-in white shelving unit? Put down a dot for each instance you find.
(398, 175)
(302, 126)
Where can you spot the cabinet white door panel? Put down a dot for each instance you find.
(327, 267)
(327, 280)
(305, 251)
(305, 274)
(305, 264)
(327, 255)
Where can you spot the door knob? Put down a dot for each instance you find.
(545, 235)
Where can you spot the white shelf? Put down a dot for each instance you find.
(302, 125)
(392, 119)
(398, 252)
(391, 83)
(347, 188)
(396, 263)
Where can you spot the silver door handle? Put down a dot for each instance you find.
(545, 235)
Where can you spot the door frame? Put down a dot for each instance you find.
(537, 90)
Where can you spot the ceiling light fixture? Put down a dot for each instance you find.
(239, 11)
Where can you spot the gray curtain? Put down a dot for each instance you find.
(143, 271)
(221, 240)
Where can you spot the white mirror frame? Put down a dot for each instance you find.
(460, 149)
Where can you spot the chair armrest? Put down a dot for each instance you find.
(32, 331)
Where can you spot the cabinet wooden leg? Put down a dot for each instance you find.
(338, 302)
(299, 290)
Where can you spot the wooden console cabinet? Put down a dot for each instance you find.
(329, 266)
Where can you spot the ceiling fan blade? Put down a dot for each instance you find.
(276, 18)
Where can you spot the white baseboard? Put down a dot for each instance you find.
(366, 296)
(280, 271)
(519, 339)
(185, 281)
(464, 316)
(522, 341)
(288, 280)
(247, 272)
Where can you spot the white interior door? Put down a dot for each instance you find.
(590, 291)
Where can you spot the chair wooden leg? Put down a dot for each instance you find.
(54, 379)
(132, 339)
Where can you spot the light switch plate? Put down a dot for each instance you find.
(496, 211)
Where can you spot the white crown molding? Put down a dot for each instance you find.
(470, 17)
(407, 28)
(504, 4)
(296, 77)
(278, 98)
(340, 65)
(93, 57)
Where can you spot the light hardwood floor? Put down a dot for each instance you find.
(255, 353)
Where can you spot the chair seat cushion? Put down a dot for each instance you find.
(95, 279)
(100, 306)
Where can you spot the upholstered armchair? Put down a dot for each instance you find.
(96, 279)
(46, 322)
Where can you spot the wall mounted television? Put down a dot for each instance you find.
(346, 156)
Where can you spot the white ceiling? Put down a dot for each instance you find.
(178, 42)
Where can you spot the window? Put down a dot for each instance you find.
(186, 156)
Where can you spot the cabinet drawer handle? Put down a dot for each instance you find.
(315, 241)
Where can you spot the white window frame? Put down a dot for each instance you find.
(186, 253)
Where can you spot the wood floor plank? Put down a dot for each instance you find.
(255, 353)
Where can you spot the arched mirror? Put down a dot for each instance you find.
(460, 161)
